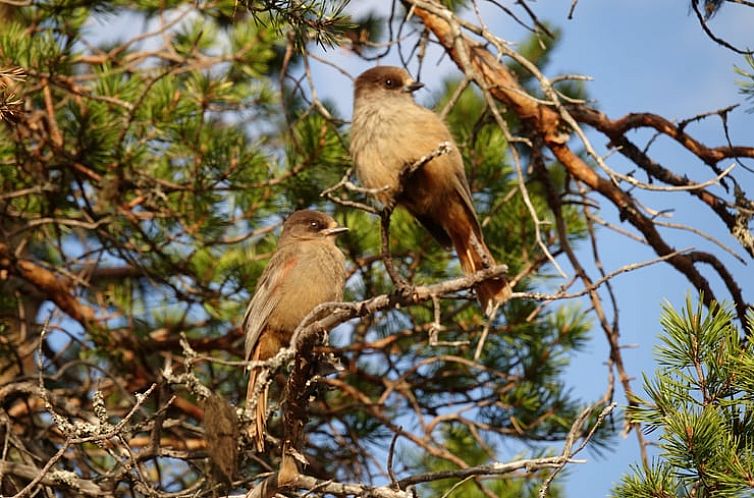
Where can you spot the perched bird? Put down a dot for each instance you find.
(306, 269)
(391, 132)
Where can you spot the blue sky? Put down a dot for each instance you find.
(643, 55)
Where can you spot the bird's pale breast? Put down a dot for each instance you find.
(387, 136)
(317, 277)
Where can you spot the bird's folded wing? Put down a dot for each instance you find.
(266, 297)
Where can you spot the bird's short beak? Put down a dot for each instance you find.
(334, 230)
(413, 86)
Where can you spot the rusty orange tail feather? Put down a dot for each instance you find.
(474, 256)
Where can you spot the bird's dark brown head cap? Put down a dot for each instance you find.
(308, 224)
(385, 80)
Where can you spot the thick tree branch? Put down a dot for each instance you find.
(56, 289)
(632, 121)
(56, 479)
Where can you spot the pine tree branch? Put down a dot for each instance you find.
(56, 289)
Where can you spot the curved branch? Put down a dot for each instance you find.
(56, 480)
(713, 36)
(632, 121)
(56, 289)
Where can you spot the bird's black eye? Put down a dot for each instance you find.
(390, 83)
(315, 225)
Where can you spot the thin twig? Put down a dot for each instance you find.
(574, 434)
(390, 454)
